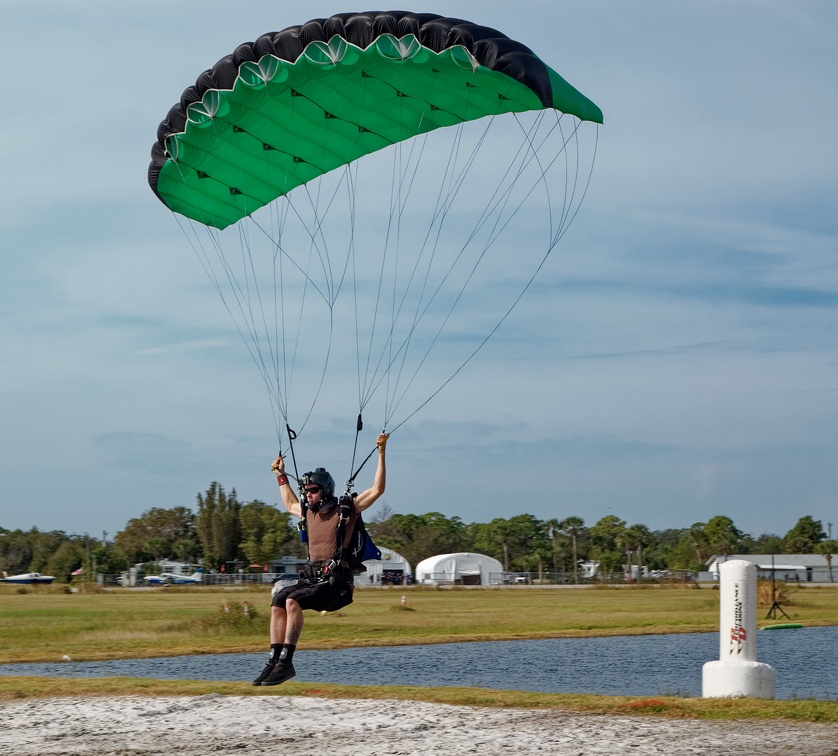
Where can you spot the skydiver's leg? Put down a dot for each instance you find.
(277, 633)
(293, 625)
(279, 619)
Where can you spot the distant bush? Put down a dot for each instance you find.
(234, 616)
(781, 593)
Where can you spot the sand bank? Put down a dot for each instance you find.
(220, 725)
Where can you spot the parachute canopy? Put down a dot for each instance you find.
(298, 103)
(370, 196)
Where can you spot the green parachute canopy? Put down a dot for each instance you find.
(371, 195)
(298, 103)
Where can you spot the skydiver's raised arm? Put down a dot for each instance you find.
(366, 498)
(289, 498)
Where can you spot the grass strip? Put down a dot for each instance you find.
(803, 710)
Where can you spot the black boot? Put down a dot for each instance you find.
(266, 671)
(281, 672)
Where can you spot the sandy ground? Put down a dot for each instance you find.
(220, 725)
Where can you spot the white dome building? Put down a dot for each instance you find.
(463, 568)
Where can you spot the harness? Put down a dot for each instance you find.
(331, 569)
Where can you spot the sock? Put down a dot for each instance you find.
(287, 653)
(276, 649)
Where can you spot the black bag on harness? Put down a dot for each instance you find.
(361, 548)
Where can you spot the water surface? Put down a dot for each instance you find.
(805, 660)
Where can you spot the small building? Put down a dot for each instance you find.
(391, 569)
(791, 568)
(588, 569)
(463, 568)
(170, 566)
(286, 565)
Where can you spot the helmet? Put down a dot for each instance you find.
(321, 478)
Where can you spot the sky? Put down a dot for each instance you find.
(675, 360)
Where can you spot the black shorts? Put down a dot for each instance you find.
(321, 597)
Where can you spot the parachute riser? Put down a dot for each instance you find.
(351, 482)
(301, 525)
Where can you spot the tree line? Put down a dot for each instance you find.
(223, 532)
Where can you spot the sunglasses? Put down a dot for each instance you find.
(313, 490)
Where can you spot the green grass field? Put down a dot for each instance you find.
(46, 624)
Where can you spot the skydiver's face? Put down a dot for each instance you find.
(313, 494)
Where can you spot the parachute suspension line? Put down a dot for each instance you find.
(205, 260)
(571, 205)
(392, 232)
(396, 205)
(249, 299)
(290, 344)
(380, 286)
(240, 295)
(249, 268)
(351, 482)
(396, 211)
(278, 215)
(351, 192)
(554, 239)
(292, 436)
(400, 170)
(568, 194)
(587, 184)
(446, 195)
(359, 426)
(552, 243)
(450, 184)
(396, 208)
(327, 291)
(403, 179)
(445, 201)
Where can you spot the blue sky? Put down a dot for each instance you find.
(675, 360)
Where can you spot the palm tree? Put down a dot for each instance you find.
(699, 539)
(553, 533)
(638, 537)
(827, 549)
(571, 526)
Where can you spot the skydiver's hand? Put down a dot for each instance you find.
(278, 466)
(382, 441)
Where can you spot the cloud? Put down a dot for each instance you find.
(673, 360)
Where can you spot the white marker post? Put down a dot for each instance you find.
(737, 674)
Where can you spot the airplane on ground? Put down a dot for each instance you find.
(170, 578)
(27, 578)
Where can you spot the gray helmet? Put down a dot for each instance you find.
(321, 478)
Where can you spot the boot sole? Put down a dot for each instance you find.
(279, 682)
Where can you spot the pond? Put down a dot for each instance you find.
(805, 660)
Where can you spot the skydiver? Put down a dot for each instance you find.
(323, 585)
